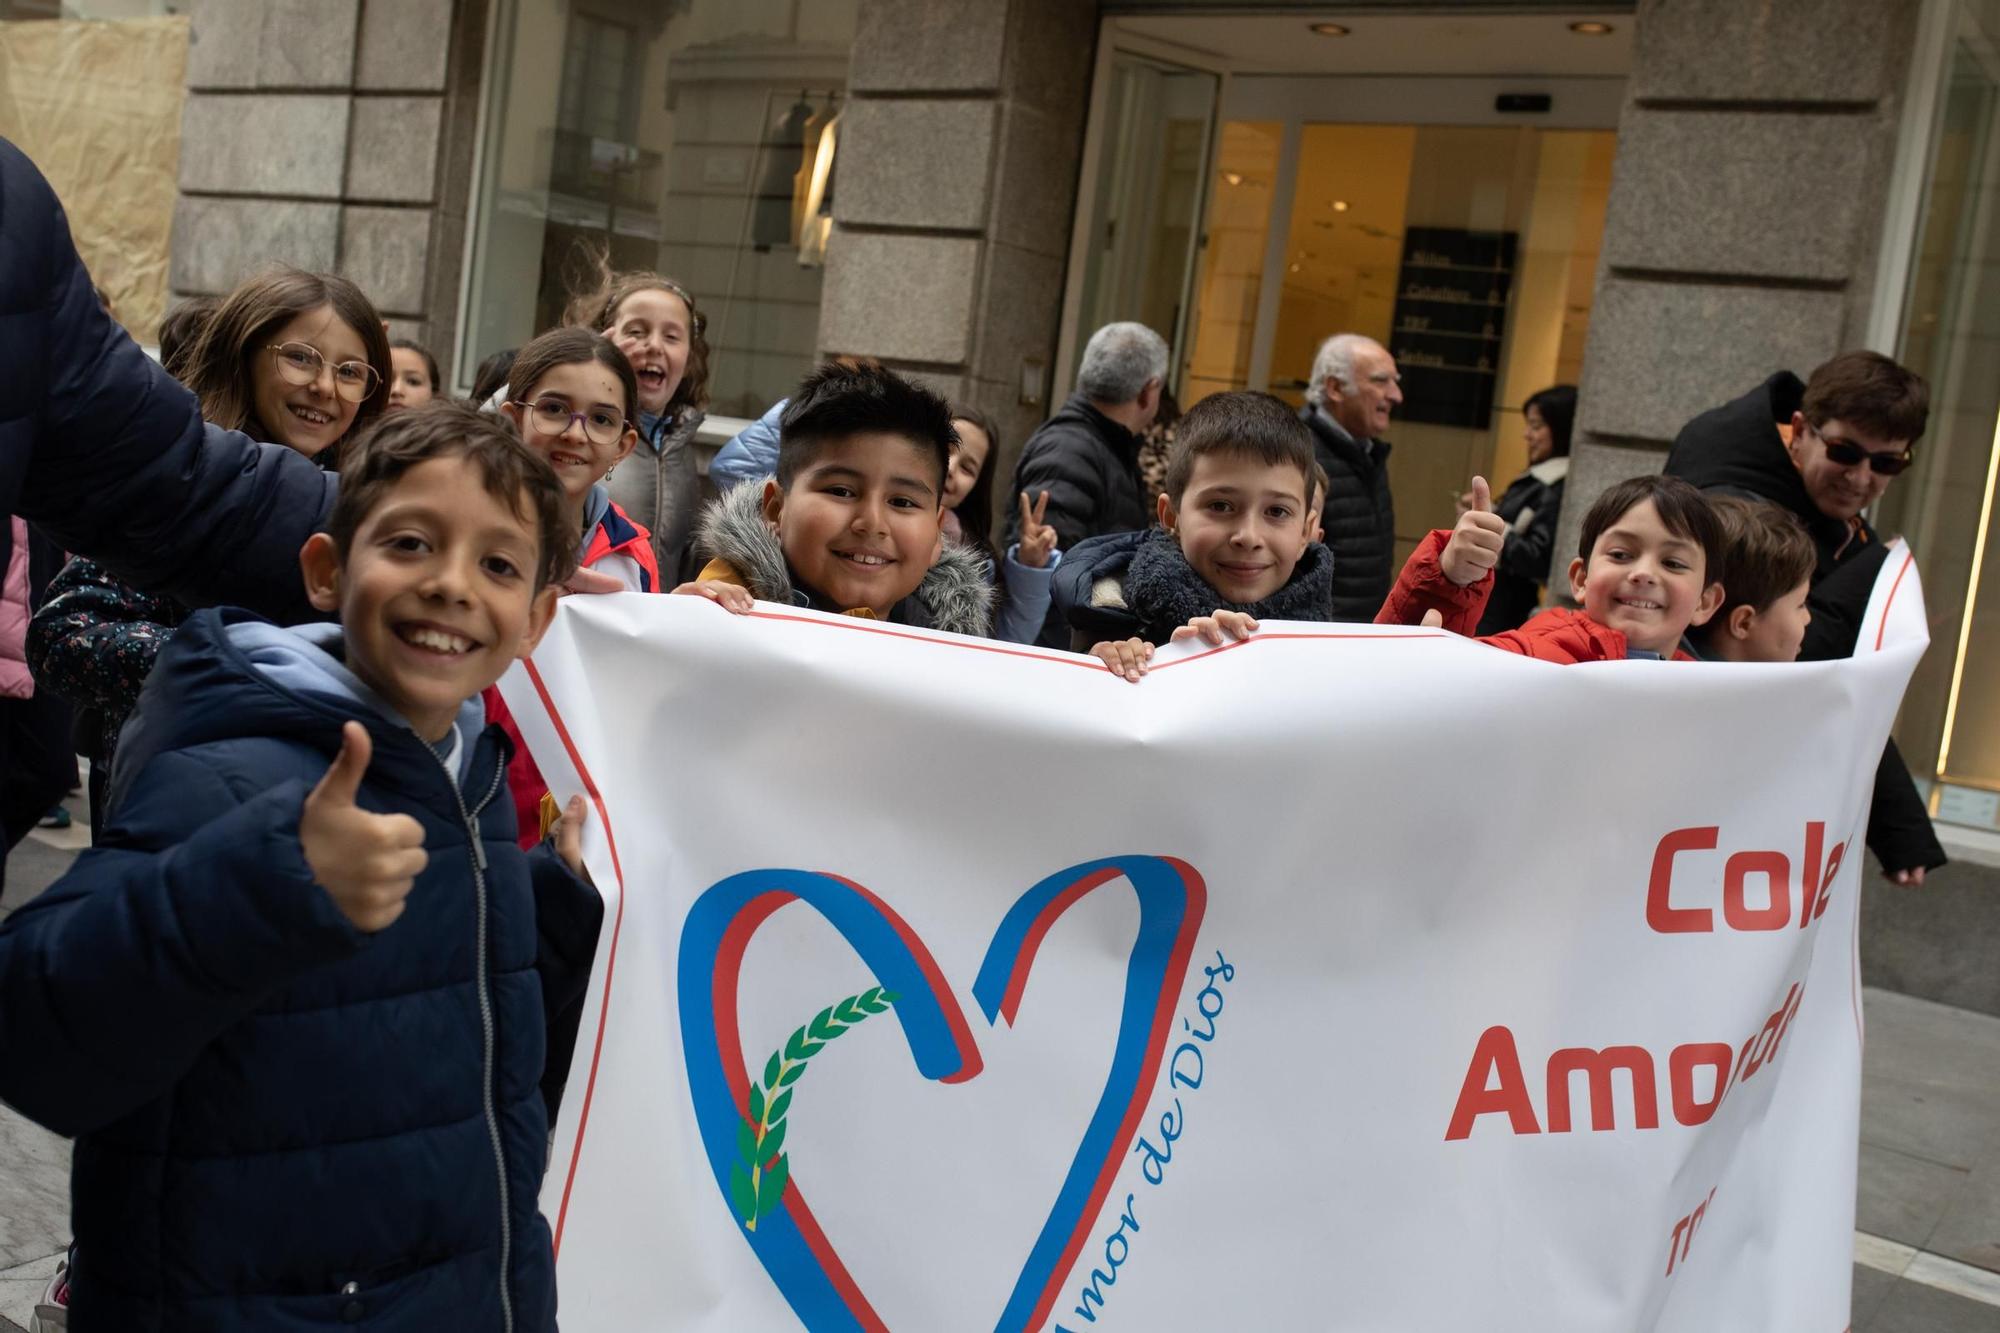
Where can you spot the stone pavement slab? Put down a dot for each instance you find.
(1911, 1307)
(1930, 1080)
(21, 1287)
(1902, 1198)
(34, 1191)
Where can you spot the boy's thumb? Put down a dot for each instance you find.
(1482, 496)
(343, 777)
(1433, 619)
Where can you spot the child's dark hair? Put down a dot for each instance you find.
(443, 428)
(837, 401)
(1869, 392)
(1685, 512)
(1243, 423)
(570, 347)
(219, 364)
(1557, 408)
(1322, 484)
(975, 511)
(598, 308)
(430, 362)
(1766, 553)
(180, 331)
(491, 377)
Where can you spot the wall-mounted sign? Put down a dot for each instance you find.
(1451, 309)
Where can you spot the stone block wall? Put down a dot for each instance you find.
(958, 178)
(331, 135)
(1746, 205)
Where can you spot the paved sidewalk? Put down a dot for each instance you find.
(1927, 1242)
(1928, 1217)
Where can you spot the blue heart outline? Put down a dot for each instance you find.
(794, 1251)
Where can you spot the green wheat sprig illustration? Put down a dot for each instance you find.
(757, 1180)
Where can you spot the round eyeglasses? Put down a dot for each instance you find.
(552, 416)
(299, 363)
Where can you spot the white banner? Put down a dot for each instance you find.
(1352, 978)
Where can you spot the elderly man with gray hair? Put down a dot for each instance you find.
(1354, 385)
(1086, 456)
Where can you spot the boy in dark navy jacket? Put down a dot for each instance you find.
(1235, 541)
(293, 1006)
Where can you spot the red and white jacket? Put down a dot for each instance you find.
(1555, 635)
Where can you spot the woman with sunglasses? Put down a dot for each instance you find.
(1826, 449)
(299, 359)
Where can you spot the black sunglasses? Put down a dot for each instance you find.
(1847, 453)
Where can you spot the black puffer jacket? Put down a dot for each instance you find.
(1089, 465)
(1531, 507)
(1359, 518)
(1736, 449)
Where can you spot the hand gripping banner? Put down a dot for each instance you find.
(1351, 978)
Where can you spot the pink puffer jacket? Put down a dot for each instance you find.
(15, 680)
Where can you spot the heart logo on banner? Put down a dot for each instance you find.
(789, 1243)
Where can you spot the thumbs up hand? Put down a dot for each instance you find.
(367, 863)
(568, 829)
(1475, 542)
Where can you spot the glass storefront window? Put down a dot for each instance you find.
(1147, 196)
(1469, 251)
(695, 137)
(1950, 724)
(1239, 226)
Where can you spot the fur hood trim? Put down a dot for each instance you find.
(955, 596)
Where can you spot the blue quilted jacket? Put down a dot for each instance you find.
(107, 455)
(283, 1123)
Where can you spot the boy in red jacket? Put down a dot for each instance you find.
(1647, 569)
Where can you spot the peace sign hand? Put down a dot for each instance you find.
(1038, 539)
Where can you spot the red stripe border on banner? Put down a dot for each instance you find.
(1882, 630)
(611, 958)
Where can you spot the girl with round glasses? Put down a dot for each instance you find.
(298, 359)
(573, 397)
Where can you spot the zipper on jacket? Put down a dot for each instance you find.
(471, 819)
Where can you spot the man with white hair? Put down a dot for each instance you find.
(1354, 387)
(1086, 456)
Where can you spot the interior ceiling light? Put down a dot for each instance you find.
(1340, 205)
(1233, 177)
(1590, 28)
(1329, 29)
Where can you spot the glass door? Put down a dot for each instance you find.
(1950, 723)
(1469, 251)
(1147, 196)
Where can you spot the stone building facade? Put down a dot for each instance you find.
(1746, 214)
(331, 135)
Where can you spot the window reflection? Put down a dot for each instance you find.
(695, 137)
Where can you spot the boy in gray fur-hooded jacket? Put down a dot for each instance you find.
(850, 522)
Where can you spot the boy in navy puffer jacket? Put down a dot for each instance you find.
(292, 1007)
(1234, 543)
